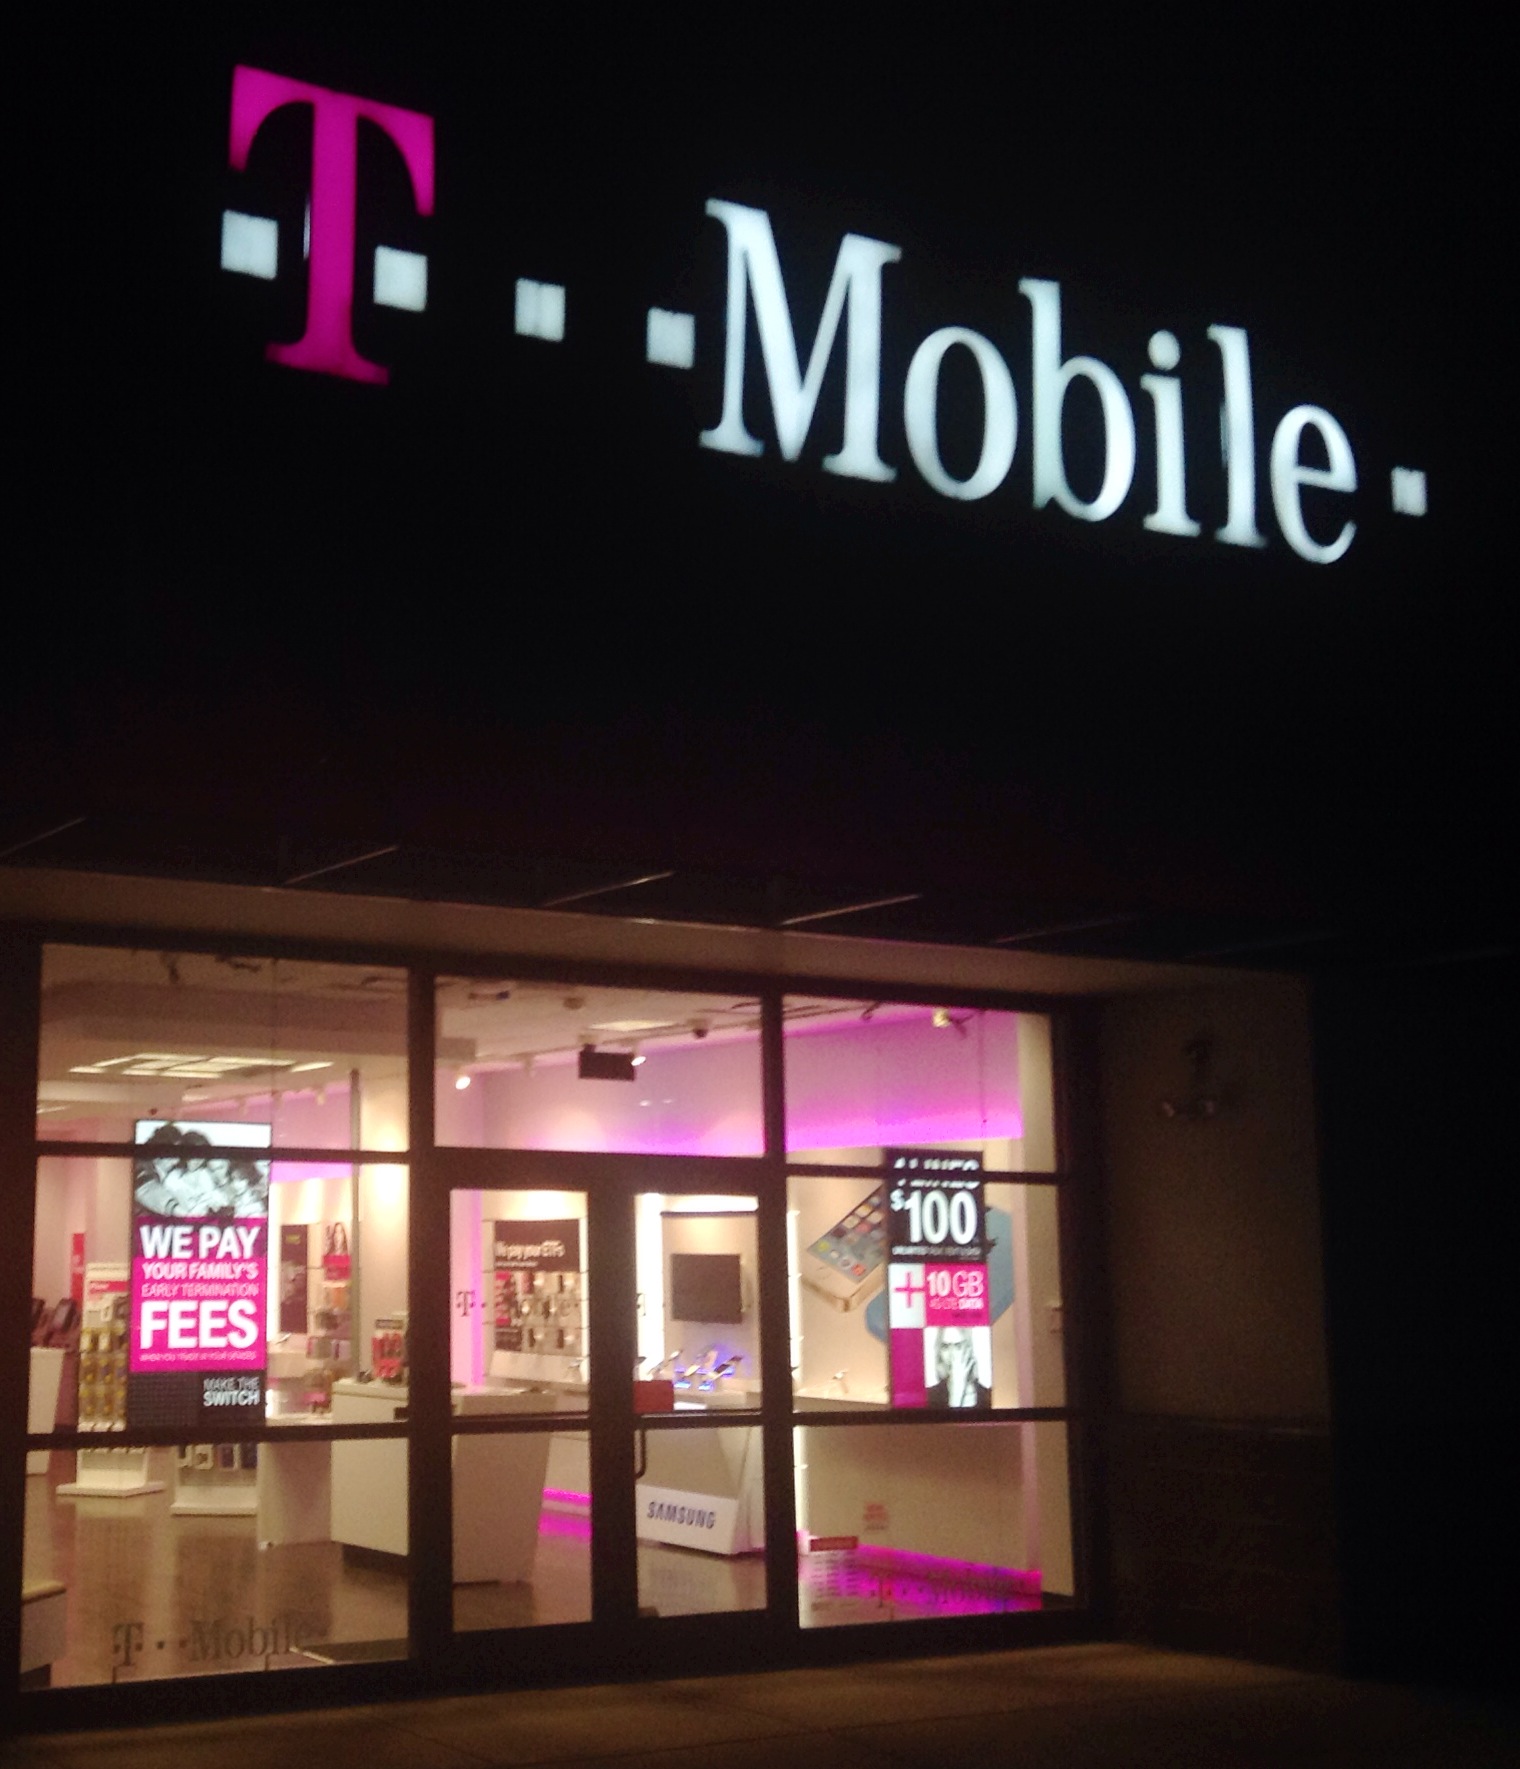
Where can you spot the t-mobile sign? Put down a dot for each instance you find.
(938, 1305)
(1310, 470)
(200, 1251)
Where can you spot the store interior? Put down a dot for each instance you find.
(168, 1560)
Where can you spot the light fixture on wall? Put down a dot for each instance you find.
(461, 1081)
(1201, 1101)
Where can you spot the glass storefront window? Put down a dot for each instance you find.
(314, 1051)
(143, 1318)
(851, 1303)
(245, 1268)
(909, 1523)
(206, 1558)
(572, 1066)
(864, 1077)
(155, 1310)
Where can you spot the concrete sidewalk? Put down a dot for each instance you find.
(1073, 1707)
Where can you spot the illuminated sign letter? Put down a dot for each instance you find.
(1000, 420)
(327, 344)
(1289, 473)
(1238, 436)
(754, 269)
(1051, 380)
(1170, 515)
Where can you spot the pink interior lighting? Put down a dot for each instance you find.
(893, 1579)
(893, 1079)
(566, 1515)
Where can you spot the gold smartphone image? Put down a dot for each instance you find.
(847, 1265)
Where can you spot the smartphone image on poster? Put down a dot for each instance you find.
(848, 1265)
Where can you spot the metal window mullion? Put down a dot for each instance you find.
(775, 1333)
(612, 1310)
(430, 1494)
(20, 995)
(1085, 1336)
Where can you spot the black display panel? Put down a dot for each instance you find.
(706, 1287)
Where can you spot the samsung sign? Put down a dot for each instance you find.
(1309, 448)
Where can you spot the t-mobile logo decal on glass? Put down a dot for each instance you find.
(250, 243)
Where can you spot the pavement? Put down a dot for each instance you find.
(1066, 1707)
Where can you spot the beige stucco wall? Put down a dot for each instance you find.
(1213, 1225)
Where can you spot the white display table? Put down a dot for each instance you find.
(295, 1487)
(498, 1482)
(498, 1492)
(369, 1479)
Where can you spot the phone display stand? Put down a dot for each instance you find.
(106, 1473)
(215, 1480)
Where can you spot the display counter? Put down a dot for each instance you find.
(369, 1478)
(498, 1481)
(295, 1487)
(833, 1400)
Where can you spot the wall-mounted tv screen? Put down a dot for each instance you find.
(705, 1287)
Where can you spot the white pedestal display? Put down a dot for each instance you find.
(703, 1489)
(44, 1624)
(369, 1478)
(295, 1489)
(498, 1483)
(42, 1400)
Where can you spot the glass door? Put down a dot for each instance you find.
(519, 1368)
(699, 1494)
(606, 1449)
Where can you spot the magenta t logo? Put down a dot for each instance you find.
(327, 345)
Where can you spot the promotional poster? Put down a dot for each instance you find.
(293, 1281)
(536, 1284)
(199, 1285)
(939, 1309)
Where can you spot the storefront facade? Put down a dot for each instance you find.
(508, 1309)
